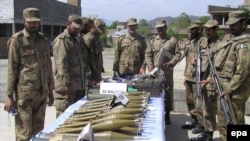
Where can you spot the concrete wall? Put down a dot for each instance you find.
(6, 11)
(52, 11)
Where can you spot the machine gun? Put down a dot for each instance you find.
(226, 104)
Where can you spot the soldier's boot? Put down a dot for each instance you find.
(204, 136)
(198, 129)
(167, 117)
(190, 124)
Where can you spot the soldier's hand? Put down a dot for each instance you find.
(51, 98)
(193, 61)
(168, 65)
(150, 68)
(142, 71)
(203, 83)
(70, 93)
(8, 104)
(224, 95)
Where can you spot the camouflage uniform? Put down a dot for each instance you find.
(69, 68)
(171, 45)
(28, 55)
(190, 79)
(209, 95)
(232, 63)
(92, 41)
(129, 53)
(95, 52)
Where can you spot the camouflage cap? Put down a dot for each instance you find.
(132, 21)
(160, 23)
(75, 20)
(100, 25)
(235, 16)
(211, 23)
(31, 14)
(86, 20)
(196, 23)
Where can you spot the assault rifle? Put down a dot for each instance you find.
(226, 104)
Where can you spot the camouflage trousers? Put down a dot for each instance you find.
(168, 97)
(189, 88)
(30, 118)
(62, 103)
(194, 104)
(209, 110)
(239, 106)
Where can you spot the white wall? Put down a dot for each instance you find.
(6, 11)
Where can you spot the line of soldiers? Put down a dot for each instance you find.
(230, 56)
(133, 56)
(77, 55)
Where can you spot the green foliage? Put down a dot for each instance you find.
(204, 19)
(247, 11)
(145, 31)
(143, 22)
(183, 21)
(221, 33)
(113, 25)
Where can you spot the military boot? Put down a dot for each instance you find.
(204, 136)
(198, 129)
(167, 117)
(190, 124)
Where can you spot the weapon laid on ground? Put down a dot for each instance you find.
(226, 104)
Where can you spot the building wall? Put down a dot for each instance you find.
(54, 15)
(52, 11)
(6, 11)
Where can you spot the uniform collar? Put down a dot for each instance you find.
(164, 39)
(66, 32)
(26, 33)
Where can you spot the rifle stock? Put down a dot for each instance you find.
(226, 104)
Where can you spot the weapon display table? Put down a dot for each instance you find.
(153, 124)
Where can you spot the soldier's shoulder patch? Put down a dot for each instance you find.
(245, 45)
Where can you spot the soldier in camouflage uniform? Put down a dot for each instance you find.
(87, 24)
(162, 40)
(90, 67)
(209, 96)
(190, 79)
(130, 52)
(69, 65)
(30, 79)
(92, 40)
(232, 63)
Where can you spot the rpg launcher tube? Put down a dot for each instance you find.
(109, 125)
(95, 121)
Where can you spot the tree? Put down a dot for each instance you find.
(113, 25)
(204, 19)
(182, 22)
(143, 22)
(145, 31)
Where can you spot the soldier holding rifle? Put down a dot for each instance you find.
(209, 96)
(232, 63)
(197, 42)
